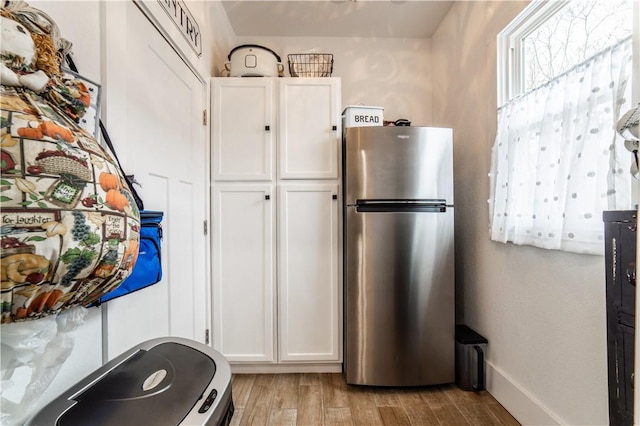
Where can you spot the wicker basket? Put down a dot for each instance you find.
(59, 165)
(310, 64)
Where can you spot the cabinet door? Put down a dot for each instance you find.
(308, 274)
(243, 129)
(309, 128)
(243, 272)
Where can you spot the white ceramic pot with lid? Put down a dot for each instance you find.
(252, 60)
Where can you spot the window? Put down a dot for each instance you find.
(565, 71)
(576, 32)
(548, 38)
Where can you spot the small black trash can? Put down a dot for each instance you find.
(471, 349)
(165, 381)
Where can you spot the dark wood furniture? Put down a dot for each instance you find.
(620, 263)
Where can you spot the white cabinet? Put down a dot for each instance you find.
(244, 325)
(247, 116)
(276, 303)
(308, 275)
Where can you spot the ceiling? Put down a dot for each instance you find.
(336, 18)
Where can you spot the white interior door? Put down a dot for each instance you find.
(155, 104)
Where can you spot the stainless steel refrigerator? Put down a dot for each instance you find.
(398, 256)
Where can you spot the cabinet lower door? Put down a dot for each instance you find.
(308, 274)
(243, 274)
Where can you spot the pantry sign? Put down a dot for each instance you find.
(184, 20)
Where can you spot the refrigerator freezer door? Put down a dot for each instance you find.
(398, 163)
(399, 270)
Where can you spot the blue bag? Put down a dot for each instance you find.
(148, 268)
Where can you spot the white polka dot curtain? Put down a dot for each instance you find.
(557, 161)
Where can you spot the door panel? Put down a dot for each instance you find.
(161, 139)
(308, 277)
(395, 162)
(244, 277)
(243, 129)
(309, 144)
(399, 298)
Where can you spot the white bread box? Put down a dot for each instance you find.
(362, 116)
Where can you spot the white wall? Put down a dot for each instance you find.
(388, 72)
(542, 311)
(223, 39)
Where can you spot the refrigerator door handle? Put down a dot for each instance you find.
(401, 201)
(399, 206)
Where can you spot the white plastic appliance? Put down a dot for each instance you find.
(252, 60)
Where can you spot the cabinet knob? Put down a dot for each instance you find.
(334, 128)
(267, 128)
(334, 196)
(267, 197)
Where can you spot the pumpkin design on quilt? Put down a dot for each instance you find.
(70, 229)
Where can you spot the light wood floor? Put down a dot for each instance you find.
(325, 399)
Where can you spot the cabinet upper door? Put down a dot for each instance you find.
(243, 129)
(309, 128)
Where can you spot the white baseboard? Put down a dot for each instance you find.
(284, 368)
(525, 408)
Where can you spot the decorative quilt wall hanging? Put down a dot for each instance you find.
(70, 226)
